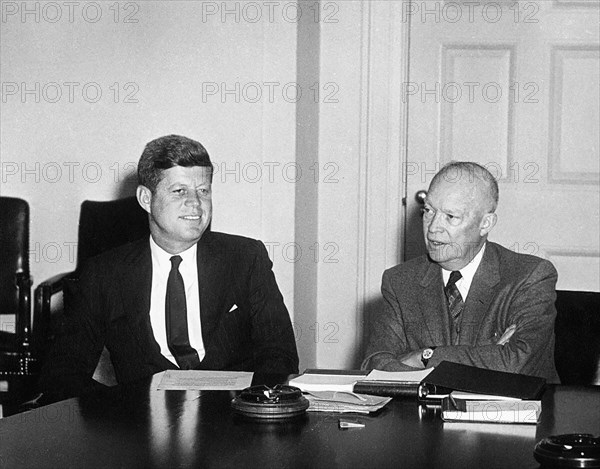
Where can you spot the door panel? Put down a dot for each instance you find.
(513, 86)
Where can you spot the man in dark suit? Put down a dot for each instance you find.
(468, 301)
(184, 298)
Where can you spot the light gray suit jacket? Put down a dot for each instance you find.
(508, 288)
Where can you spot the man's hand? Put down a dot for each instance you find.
(412, 359)
(508, 333)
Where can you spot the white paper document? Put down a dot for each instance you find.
(336, 401)
(471, 396)
(402, 376)
(325, 382)
(205, 380)
(470, 429)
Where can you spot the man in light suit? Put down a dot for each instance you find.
(469, 300)
(234, 317)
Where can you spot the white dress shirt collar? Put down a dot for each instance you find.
(163, 258)
(467, 272)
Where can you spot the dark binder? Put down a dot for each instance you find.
(449, 376)
(387, 388)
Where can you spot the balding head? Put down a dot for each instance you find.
(459, 213)
(472, 177)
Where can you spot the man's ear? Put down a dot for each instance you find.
(488, 221)
(144, 197)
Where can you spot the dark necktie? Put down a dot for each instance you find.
(176, 320)
(455, 302)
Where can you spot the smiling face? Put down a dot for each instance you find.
(180, 208)
(456, 221)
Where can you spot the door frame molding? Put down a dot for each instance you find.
(383, 148)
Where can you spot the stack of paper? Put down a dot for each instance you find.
(340, 401)
(205, 380)
(467, 407)
(399, 376)
(379, 383)
(333, 391)
(473, 428)
(327, 380)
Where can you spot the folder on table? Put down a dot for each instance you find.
(449, 376)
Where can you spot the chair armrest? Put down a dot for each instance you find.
(23, 282)
(53, 285)
(45, 290)
(43, 305)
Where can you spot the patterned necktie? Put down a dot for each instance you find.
(455, 302)
(176, 320)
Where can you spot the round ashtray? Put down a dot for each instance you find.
(571, 450)
(264, 402)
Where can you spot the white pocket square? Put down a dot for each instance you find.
(233, 308)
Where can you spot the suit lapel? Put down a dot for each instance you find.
(213, 266)
(433, 307)
(480, 295)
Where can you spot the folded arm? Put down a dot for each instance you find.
(530, 310)
(413, 359)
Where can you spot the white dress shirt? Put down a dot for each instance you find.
(161, 266)
(467, 272)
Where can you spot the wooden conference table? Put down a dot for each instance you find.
(145, 428)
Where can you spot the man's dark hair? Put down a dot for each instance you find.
(166, 152)
(456, 170)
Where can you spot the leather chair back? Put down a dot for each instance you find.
(577, 334)
(15, 280)
(14, 246)
(107, 225)
(18, 361)
(103, 226)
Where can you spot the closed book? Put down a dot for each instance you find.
(491, 411)
(449, 376)
(391, 383)
(387, 388)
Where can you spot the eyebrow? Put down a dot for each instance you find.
(454, 213)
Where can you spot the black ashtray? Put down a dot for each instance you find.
(263, 402)
(570, 450)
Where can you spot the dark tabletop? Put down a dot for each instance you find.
(141, 427)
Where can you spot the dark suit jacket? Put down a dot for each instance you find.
(508, 288)
(109, 306)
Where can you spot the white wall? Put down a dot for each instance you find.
(161, 63)
(331, 228)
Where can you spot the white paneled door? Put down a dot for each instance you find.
(515, 87)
